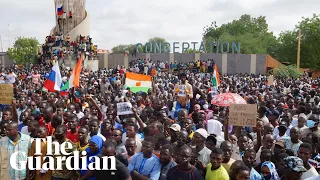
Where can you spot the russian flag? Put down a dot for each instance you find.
(54, 80)
(59, 10)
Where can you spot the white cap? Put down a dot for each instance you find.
(175, 127)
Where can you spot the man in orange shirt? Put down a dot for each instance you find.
(153, 72)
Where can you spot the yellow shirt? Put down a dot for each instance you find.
(81, 148)
(228, 165)
(219, 174)
(191, 135)
(68, 38)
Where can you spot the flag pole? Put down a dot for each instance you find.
(298, 52)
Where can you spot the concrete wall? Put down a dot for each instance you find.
(5, 61)
(92, 65)
(184, 57)
(138, 56)
(160, 57)
(226, 63)
(115, 59)
(261, 64)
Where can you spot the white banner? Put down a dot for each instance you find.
(124, 108)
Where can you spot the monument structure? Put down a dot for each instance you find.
(71, 18)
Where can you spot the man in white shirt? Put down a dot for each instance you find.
(11, 77)
(305, 153)
(131, 132)
(262, 115)
(94, 128)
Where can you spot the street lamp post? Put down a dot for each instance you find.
(298, 53)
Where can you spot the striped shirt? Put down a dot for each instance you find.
(23, 146)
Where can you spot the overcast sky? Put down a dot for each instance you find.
(115, 22)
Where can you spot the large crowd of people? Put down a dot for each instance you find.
(146, 66)
(60, 47)
(170, 134)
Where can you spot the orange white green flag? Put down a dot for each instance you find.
(75, 77)
(215, 77)
(138, 82)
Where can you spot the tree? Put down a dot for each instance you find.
(286, 51)
(157, 40)
(283, 71)
(252, 33)
(132, 47)
(122, 48)
(24, 50)
(191, 51)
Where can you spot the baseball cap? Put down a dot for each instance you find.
(275, 113)
(175, 127)
(294, 163)
(183, 75)
(281, 144)
(283, 124)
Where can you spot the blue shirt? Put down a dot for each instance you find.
(20, 126)
(118, 125)
(254, 175)
(149, 167)
(165, 169)
(20, 111)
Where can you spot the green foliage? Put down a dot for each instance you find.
(132, 47)
(122, 48)
(24, 50)
(191, 50)
(286, 51)
(252, 33)
(286, 72)
(158, 40)
(255, 38)
(310, 49)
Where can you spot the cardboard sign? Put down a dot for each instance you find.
(6, 93)
(243, 115)
(124, 108)
(270, 80)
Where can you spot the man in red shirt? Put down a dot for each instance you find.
(72, 133)
(46, 118)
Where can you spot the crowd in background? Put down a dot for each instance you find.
(167, 136)
(60, 47)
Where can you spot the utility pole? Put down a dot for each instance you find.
(9, 35)
(298, 53)
(2, 55)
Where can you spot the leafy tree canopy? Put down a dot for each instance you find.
(255, 38)
(290, 71)
(24, 50)
(286, 50)
(252, 33)
(132, 47)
